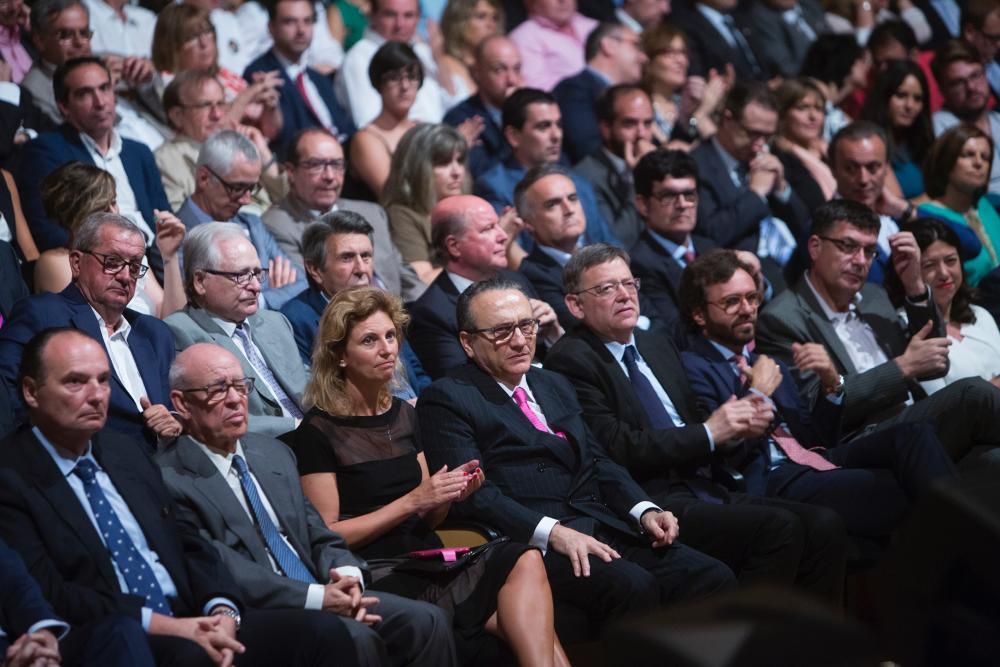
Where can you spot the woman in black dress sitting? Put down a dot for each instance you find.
(363, 468)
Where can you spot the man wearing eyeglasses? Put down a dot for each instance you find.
(224, 278)
(106, 261)
(960, 74)
(315, 169)
(881, 361)
(609, 549)
(638, 404)
(227, 176)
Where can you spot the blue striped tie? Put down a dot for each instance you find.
(287, 560)
(138, 575)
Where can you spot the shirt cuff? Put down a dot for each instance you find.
(640, 508)
(540, 538)
(147, 616)
(10, 93)
(215, 602)
(711, 438)
(314, 596)
(352, 571)
(837, 398)
(643, 323)
(57, 627)
(784, 195)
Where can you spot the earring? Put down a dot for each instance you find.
(343, 363)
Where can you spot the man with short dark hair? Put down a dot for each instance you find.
(532, 125)
(315, 168)
(497, 73)
(88, 512)
(106, 262)
(880, 361)
(625, 123)
(609, 549)
(307, 98)
(744, 200)
(613, 57)
(471, 246)
(961, 75)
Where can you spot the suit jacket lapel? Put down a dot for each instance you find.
(85, 320)
(556, 417)
(142, 349)
(268, 344)
(820, 328)
(670, 376)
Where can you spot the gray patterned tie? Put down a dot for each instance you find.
(259, 365)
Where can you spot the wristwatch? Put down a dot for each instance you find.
(837, 388)
(223, 610)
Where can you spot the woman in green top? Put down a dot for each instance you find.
(956, 173)
(347, 20)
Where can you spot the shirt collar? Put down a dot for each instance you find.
(560, 257)
(374, 37)
(726, 353)
(600, 75)
(523, 384)
(790, 16)
(200, 215)
(223, 461)
(123, 329)
(114, 148)
(461, 283)
(617, 349)
(626, 19)
(64, 459)
(731, 163)
(229, 328)
(568, 29)
(618, 163)
(713, 15)
(676, 250)
(292, 69)
(831, 314)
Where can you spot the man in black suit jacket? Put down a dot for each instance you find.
(744, 201)
(716, 37)
(643, 409)
(613, 57)
(473, 246)
(609, 548)
(874, 477)
(86, 508)
(497, 73)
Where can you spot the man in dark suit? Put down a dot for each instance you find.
(307, 97)
(781, 32)
(214, 474)
(870, 480)
(497, 73)
(88, 511)
(613, 57)
(625, 121)
(86, 100)
(106, 263)
(12, 289)
(881, 361)
(635, 399)
(472, 246)
(744, 201)
(339, 253)
(608, 548)
(716, 37)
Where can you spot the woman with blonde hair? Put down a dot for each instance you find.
(364, 470)
(72, 193)
(429, 165)
(464, 26)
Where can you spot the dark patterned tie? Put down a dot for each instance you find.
(643, 388)
(138, 575)
(264, 371)
(287, 559)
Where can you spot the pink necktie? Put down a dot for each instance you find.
(689, 256)
(521, 398)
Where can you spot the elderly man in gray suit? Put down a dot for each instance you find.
(242, 492)
(315, 170)
(223, 280)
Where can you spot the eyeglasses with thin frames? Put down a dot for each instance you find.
(216, 392)
(241, 278)
(673, 197)
(850, 248)
(316, 167)
(235, 190)
(730, 304)
(502, 333)
(113, 264)
(605, 290)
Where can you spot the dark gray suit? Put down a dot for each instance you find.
(410, 632)
(879, 394)
(273, 336)
(615, 196)
(780, 45)
(288, 219)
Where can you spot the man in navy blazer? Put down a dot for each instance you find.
(613, 57)
(497, 73)
(87, 101)
(472, 245)
(875, 477)
(105, 263)
(608, 548)
(319, 108)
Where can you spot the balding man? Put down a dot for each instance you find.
(280, 552)
(106, 261)
(497, 73)
(471, 246)
(223, 279)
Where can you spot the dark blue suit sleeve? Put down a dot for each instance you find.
(21, 601)
(39, 158)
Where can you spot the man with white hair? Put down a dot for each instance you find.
(223, 278)
(226, 177)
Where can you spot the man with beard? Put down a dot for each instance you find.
(962, 78)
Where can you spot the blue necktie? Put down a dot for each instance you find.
(138, 575)
(287, 560)
(643, 388)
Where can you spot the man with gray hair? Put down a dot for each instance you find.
(223, 278)
(106, 261)
(226, 177)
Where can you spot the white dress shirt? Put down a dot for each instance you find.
(223, 462)
(111, 162)
(540, 536)
(131, 37)
(858, 338)
(121, 357)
